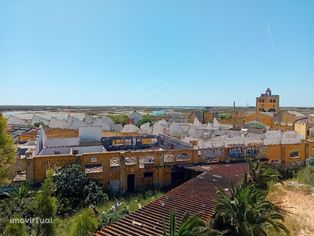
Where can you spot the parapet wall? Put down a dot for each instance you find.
(154, 168)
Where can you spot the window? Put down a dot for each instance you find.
(93, 168)
(75, 152)
(148, 174)
(114, 161)
(295, 154)
(183, 157)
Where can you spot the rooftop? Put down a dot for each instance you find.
(196, 196)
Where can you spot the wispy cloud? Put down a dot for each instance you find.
(271, 39)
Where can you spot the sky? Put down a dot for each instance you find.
(156, 53)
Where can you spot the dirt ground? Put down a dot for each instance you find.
(300, 209)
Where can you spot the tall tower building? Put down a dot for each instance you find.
(267, 102)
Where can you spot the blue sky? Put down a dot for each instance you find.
(99, 52)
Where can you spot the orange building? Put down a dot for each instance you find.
(267, 102)
(262, 117)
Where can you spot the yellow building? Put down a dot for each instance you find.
(265, 118)
(301, 127)
(267, 102)
(286, 120)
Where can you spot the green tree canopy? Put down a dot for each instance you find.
(244, 211)
(46, 207)
(74, 189)
(86, 224)
(120, 119)
(147, 118)
(7, 151)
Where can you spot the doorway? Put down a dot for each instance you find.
(131, 183)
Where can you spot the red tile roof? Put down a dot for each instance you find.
(196, 196)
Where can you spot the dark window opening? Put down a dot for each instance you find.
(131, 183)
(148, 174)
(295, 154)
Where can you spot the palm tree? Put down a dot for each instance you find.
(245, 211)
(190, 226)
(22, 192)
(260, 174)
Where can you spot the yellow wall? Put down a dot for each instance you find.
(301, 128)
(274, 152)
(260, 117)
(288, 149)
(113, 172)
(310, 148)
(265, 103)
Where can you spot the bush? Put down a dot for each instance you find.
(147, 118)
(86, 223)
(46, 207)
(116, 213)
(306, 175)
(120, 119)
(21, 204)
(287, 171)
(76, 190)
(15, 229)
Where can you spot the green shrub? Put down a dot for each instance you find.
(120, 119)
(85, 224)
(46, 207)
(76, 190)
(306, 175)
(113, 215)
(147, 118)
(20, 203)
(15, 229)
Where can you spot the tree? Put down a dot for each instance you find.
(190, 226)
(260, 174)
(120, 119)
(7, 151)
(22, 192)
(86, 224)
(147, 118)
(19, 205)
(74, 189)
(46, 207)
(244, 211)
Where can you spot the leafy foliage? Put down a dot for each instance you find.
(74, 189)
(120, 119)
(114, 214)
(7, 151)
(20, 204)
(40, 123)
(46, 207)
(147, 118)
(22, 192)
(190, 226)
(245, 211)
(260, 174)
(86, 224)
(306, 175)
(15, 228)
